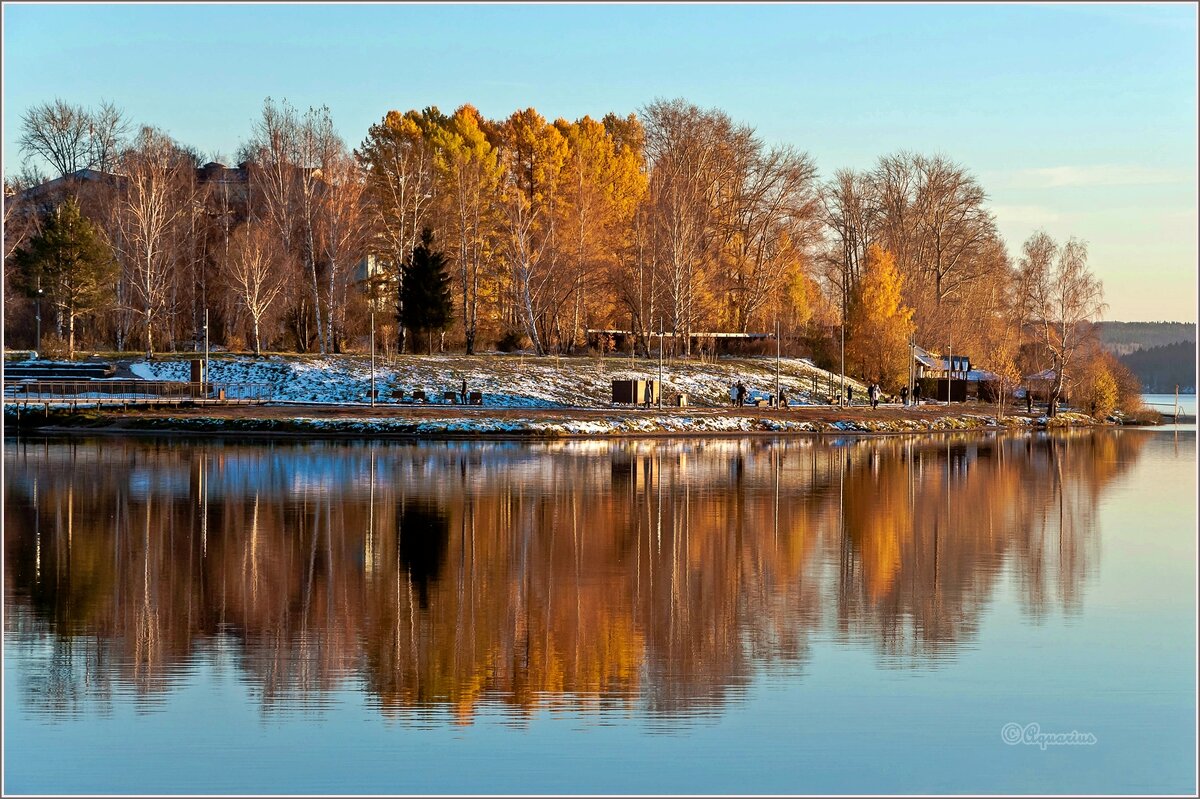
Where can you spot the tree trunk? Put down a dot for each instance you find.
(149, 335)
(1056, 391)
(527, 312)
(316, 287)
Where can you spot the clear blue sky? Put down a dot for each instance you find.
(1077, 119)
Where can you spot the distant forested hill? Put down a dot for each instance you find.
(1122, 338)
(1162, 368)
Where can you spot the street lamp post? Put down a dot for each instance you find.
(206, 377)
(38, 346)
(372, 356)
(845, 308)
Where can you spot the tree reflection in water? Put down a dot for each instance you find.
(656, 577)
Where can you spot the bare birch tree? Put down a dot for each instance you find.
(1062, 297)
(340, 232)
(70, 138)
(255, 275)
(770, 220)
(157, 192)
(691, 154)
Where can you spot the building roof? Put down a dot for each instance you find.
(941, 363)
(926, 359)
(981, 376)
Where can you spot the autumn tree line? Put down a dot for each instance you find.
(676, 219)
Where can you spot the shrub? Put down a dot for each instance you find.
(512, 341)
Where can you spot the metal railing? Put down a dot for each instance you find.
(133, 392)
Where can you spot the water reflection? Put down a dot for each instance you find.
(645, 577)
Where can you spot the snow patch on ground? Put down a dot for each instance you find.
(507, 381)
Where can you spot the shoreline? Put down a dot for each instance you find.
(434, 423)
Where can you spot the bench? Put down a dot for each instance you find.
(475, 398)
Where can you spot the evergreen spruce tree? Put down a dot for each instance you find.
(425, 290)
(72, 265)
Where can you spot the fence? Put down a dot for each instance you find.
(133, 392)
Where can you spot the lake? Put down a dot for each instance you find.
(947, 613)
(1165, 403)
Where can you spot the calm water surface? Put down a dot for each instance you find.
(801, 615)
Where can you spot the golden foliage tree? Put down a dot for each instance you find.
(533, 152)
(602, 185)
(468, 178)
(880, 323)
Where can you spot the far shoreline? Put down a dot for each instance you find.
(440, 423)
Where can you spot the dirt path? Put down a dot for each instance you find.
(457, 422)
(815, 413)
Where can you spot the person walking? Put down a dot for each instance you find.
(782, 397)
(741, 393)
(1028, 401)
(904, 395)
(849, 395)
(916, 393)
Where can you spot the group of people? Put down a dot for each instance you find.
(875, 394)
(916, 394)
(739, 393)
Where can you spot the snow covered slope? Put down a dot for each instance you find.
(505, 380)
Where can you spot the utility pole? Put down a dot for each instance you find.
(38, 346)
(842, 395)
(372, 354)
(206, 377)
(912, 365)
(778, 355)
(950, 363)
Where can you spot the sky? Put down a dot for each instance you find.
(1077, 119)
